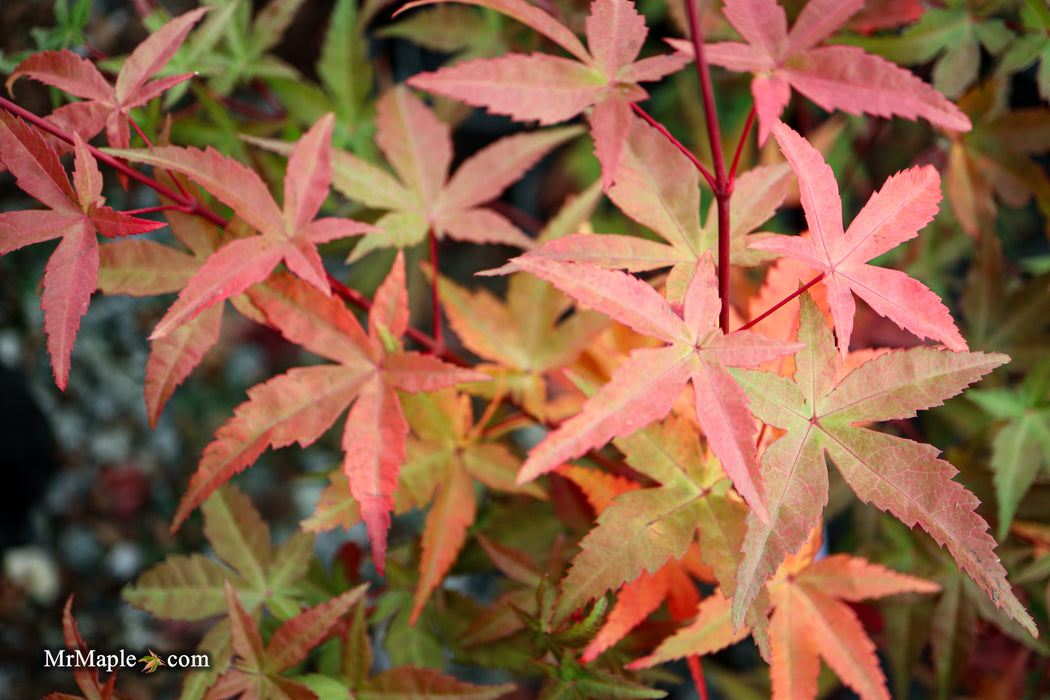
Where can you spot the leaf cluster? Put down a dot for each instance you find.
(695, 375)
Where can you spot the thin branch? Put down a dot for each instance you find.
(677, 144)
(780, 303)
(723, 187)
(193, 206)
(741, 142)
(697, 672)
(151, 210)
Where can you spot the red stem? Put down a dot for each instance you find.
(192, 205)
(783, 301)
(435, 295)
(723, 187)
(697, 672)
(678, 144)
(741, 142)
(149, 144)
(150, 210)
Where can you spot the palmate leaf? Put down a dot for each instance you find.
(994, 161)
(190, 587)
(644, 388)
(810, 621)
(76, 214)
(144, 268)
(423, 197)
(649, 527)
(86, 677)
(835, 77)
(256, 670)
(658, 187)
(952, 35)
(901, 476)
(289, 234)
(652, 530)
(300, 405)
(104, 104)
(526, 334)
(641, 595)
(907, 202)
(445, 457)
(553, 89)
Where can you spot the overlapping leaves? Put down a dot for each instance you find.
(835, 77)
(75, 213)
(810, 620)
(644, 388)
(907, 202)
(553, 89)
(301, 404)
(423, 197)
(895, 474)
(104, 104)
(287, 234)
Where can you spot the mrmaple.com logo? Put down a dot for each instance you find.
(79, 658)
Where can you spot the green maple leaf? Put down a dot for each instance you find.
(152, 662)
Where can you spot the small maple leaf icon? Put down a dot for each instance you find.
(152, 662)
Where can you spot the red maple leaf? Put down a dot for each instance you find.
(644, 388)
(301, 404)
(553, 89)
(907, 202)
(822, 417)
(810, 621)
(86, 677)
(835, 77)
(104, 104)
(256, 671)
(289, 234)
(76, 214)
(140, 267)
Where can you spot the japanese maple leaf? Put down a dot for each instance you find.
(645, 387)
(904, 477)
(655, 530)
(553, 89)
(907, 202)
(423, 197)
(445, 456)
(104, 104)
(191, 588)
(669, 580)
(994, 161)
(257, 669)
(290, 234)
(810, 620)
(86, 677)
(658, 187)
(76, 214)
(139, 267)
(151, 662)
(526, 334)
(952, 35)
(302, 403)
(835, 77)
